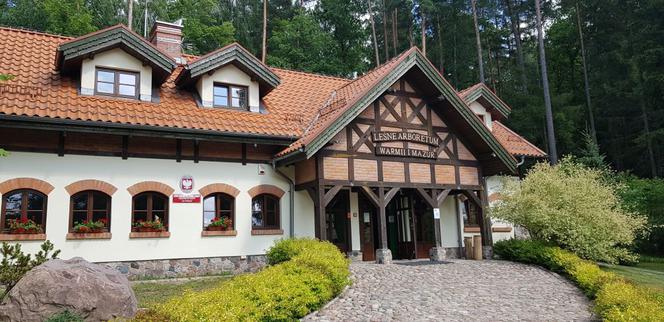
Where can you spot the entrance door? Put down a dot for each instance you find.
(424, 227)
(338, 221)
(368, 229)
(400, 224)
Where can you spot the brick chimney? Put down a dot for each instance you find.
(168, 37)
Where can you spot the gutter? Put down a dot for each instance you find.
(291, 203)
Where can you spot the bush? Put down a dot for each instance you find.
(573, 207)
(615, 299)
(15, 263)
(303, 275)
(65, 316)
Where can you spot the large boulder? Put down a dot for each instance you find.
(94, 292)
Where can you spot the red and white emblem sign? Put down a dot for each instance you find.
(187, 184)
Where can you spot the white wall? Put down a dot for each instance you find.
(481, 110)
(355, 222)
(185, 219)
(448, 223)
(116, 59)
(228, 74)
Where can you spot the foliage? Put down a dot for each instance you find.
(221, 222)
(155, 225)
(573, 207)
(24, 226)
(15, 263)
(646, 197)
(203, 39)
(590, 155)
(615, 299)
(87, 226)
(308, 274)
(65, 316)
(150, 293)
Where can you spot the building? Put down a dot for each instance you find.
(124, 150)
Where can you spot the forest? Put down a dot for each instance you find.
(605, 57)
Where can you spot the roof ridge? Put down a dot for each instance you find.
(34, 32)
(311, 74)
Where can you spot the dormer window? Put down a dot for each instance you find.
(118, 83)
(230, 96)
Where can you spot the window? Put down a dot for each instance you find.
(116, 83)
(23, 206)
(470, 214)
(150, 212)
(230, 96)
(265, 212)
(90, 212)
(218, 206)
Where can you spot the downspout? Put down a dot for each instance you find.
(291, 197)
(519, 164)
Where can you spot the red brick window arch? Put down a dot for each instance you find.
(23, 211)
(149, 212)
(90, 212)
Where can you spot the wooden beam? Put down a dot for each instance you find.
(196, 151)
(329, 195)
(178, 150)
(382, 218)
(472, 195)
(125, 147)
(61, 143)
(442, 196)
(244, 154)
(371, 196)
(430, 201)
(389, 195)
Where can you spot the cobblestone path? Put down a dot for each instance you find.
(458, 290)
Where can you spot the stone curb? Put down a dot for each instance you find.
(343, 292)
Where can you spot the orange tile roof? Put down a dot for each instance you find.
(515, 143)
(37, 90)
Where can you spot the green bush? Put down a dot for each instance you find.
(65, 316)
(573, 207)
(15, 263)
(615, 299)
(303, 275)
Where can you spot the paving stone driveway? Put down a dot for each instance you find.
(458, 290)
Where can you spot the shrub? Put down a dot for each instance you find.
(573, 207)
(15, 263)
(615, 299)
(65, 316)
(303, 275)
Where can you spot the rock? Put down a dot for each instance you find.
(95, 292)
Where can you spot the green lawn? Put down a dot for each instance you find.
(649, 272)
(150, 293)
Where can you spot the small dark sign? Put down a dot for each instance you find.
(402, 152)
(405, 136)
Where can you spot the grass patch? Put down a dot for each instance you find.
(159, 291)
(649, 272)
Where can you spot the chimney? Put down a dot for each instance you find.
(168, 37)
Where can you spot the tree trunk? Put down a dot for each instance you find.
(395, 41)
(516, 31)
(130, 14)
(385, 41)
(441, 55)
(264, 54)
(424, 34)
(373, 31)
(145, 21)
(550, 133)
(478, 41)
(591, 116)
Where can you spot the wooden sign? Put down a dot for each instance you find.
(402, 152)
(405, 136)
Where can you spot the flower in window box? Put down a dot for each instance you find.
(91, 226)
(149, 226)
(24, 226)
(223, 223)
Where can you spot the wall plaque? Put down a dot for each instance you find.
(403, 152)
(405, 136)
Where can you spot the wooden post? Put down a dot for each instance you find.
(382, 217)
(477, 247)
(468, 247)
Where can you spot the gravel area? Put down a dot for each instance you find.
(458, 290)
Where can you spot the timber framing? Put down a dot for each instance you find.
(482, 93)
(74, 51)
(231, 54)
(413, 58)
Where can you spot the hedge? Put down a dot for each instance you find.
(303, 275)
(615, 298)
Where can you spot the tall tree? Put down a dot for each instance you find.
(586, 85)
(480, 63)
(516, 32)
(264, 54)
(130, 14)
(550, 133)
(373, 32)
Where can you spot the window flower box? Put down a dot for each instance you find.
(220, 224)
(24, 226)
(149, 226)
(91, 227)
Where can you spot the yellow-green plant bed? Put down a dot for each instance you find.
(615, 298)
(303, 275)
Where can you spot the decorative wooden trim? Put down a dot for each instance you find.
(266, 188)
(501, 229)
(210, 233)
(150, 234)
(473, 229)
(76, 236)
(26, 237)
(26, 183)
(219, 188)
(150, 186)
(91, 184)
(258, 232)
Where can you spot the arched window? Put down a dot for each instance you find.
(149, 212)
(218, 211)
(24, 211)
(265, 212)
(90, 212)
